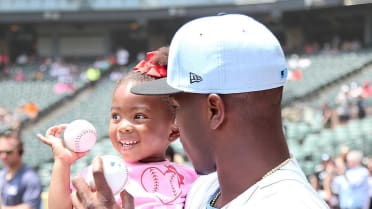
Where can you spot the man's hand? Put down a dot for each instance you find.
(85, 198)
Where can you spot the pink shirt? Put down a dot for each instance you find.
(160, 185)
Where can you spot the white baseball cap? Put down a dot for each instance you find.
(230, 53)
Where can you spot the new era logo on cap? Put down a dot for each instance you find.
(195, 78)
(283, 74)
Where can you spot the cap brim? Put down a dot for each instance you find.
(155, 87)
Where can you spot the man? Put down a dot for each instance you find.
(225, 77)
(352, 185)
(20, 186)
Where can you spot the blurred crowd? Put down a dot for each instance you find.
(333, 46)
(66, 76)
(344, 181)
(66, 71)
(350, 103)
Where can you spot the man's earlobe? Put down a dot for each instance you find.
(216, 110)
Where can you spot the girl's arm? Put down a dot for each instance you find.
(59, 189)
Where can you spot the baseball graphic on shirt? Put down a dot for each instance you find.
(80, 136)
(115, 171)
(165, 183)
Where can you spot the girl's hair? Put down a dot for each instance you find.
(159, 59)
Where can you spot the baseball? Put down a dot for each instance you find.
(80, 136)
(115, 171)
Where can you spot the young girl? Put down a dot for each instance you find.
(141, 128)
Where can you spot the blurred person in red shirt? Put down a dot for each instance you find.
(4, 60)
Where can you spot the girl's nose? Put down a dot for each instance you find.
(125, 126)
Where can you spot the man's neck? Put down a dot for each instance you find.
(12, 170)
(237, 176)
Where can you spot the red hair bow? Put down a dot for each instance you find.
(150, 68)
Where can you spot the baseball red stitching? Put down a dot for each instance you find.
(78, 137)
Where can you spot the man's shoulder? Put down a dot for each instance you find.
(290, 193)
(289, 188)
(2, 176)
(285, 188)
(201, 191)
(29, 174)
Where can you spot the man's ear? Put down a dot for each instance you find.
(216, 110)
(174, 133)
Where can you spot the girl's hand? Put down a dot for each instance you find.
(53, 138)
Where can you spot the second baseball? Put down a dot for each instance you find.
(80, 136)
(115, 171)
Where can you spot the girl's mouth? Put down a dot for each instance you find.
(128, 144)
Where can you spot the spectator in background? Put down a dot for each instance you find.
(4, 60)
(352, 185)
(327, 113)
(38, 76)
(64, 74)
(322, 179)
(366, 89)
(321, 171)
(355, 90)
(361, 107)
(102, 64)
(93, 74)
(22, 59)
(8, 118)
(369, 167)
(344, 151)
(5, 116)
(122, 57)
(116, 74)
(343, 102)
(30, 109)
(20, 185)
(45, 65)
(333, 169)
(19, 75)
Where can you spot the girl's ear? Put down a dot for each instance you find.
(174, 133)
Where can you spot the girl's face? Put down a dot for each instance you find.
(141, 127)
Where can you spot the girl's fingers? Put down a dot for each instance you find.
(56, 131)
(44, 139)
(52, 133)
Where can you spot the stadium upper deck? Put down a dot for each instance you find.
(101, 5)
(96, 28)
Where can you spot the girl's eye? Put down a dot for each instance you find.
(115, 116)
(139, 116)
